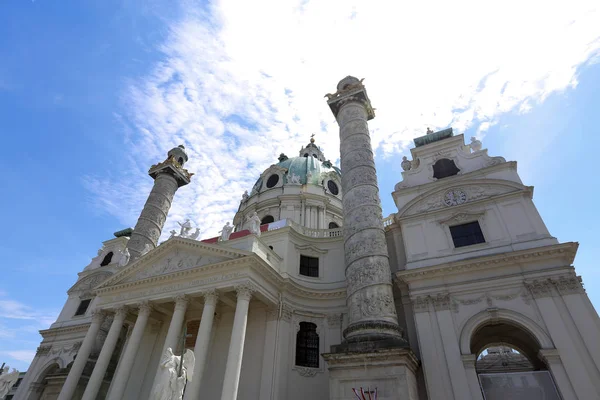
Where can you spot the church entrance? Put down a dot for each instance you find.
(508, 366)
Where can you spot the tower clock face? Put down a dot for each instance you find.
(455, 197)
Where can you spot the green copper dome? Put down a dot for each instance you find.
(310, 167)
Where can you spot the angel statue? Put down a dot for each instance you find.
(173, 375)
(7, 380)
(195, 234)
(254, 220)
(186, 227)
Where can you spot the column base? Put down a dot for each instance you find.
(391, 370)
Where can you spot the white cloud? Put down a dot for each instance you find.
(21, 355)
(245, 82)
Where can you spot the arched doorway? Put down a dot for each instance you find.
(49, 383)
(508, 365)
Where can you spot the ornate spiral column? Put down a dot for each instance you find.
(70, 384)
(372, 314)
(120, 380)
(192, 392)
(236, 345)
(93, 386)
(168, 177)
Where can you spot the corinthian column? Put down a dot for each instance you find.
(236, 345)
(372, 315)
(120, 380)
(192, 392)
(93, 386)
(70, 384)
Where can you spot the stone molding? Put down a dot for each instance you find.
(52, 332)
(307, 371)
(566, 250)
(461, 217)
(475, 190)
(469, 360)
(43, 350)
(563, 285)
(98, 315)
(440, 302)
(89, 282)
(549, 356)
(397, 356)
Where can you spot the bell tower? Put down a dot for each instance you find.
(168, 176)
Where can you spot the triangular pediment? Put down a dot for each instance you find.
(174, 256)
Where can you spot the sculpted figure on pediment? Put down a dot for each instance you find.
(90, 282)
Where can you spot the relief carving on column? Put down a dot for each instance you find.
(371, 304)
(358, 276)
(210, 297)
(245, 290)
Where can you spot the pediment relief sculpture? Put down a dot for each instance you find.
(455, 196)
(89, 282)
(178, 260)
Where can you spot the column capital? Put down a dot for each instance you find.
(245, 290)
(350, 89)
(98, 315)
(210, 297)
(145, 308)
(181, 301)
(121, 312)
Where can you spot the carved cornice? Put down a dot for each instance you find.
(460, 218)
(89, 282)
(49, 333)
(563, 250)
(43, 350)
(310, 248)
(561, 285)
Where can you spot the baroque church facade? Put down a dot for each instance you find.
(462, 293)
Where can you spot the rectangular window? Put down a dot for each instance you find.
(466, 234)
(309, 266)
(83, 306)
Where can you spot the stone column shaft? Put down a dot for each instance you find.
(236, 345)
(192, 391)
(93, 386)
(174, 331)
(370, 300)
(152, 219)
(70, 384)
(120, 380)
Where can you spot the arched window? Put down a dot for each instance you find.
(107, 259)
(307, 345)
(272, 181)
(333, 225)
(180, 160)
(305, 154)
(444, 168)
(508, 364)
(267, 219)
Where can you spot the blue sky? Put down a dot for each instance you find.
(94, 92)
